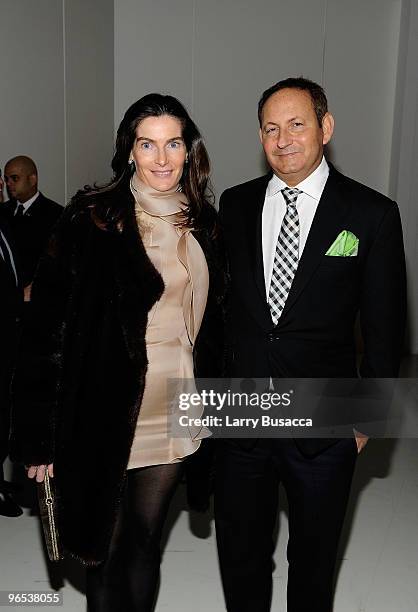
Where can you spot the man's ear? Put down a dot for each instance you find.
(260, 133)
(33, 179)
(327, 128)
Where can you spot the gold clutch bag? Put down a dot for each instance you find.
(48, 514)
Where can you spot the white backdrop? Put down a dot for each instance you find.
(56, 102)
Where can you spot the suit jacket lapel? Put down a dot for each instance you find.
(254, 230)
(6, 233)
(35, 206)
(326, 225)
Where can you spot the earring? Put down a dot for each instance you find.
(186, 161)
(131, 165)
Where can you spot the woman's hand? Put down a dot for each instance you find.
(38, 471)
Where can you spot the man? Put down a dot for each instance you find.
(30, 214)
(292, 312)
(10, 306)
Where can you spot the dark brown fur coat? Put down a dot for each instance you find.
(80, 377)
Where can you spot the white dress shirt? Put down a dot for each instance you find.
(27, 203)
(275, 209)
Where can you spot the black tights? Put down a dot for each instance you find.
(127, 580)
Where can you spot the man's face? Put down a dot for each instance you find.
(20, 185)
(291, 137)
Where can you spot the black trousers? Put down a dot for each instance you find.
(8, 341)
(246, 503)
(4, 412)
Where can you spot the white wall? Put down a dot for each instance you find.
(240, 49)
(32, 95)
(404, 177)
(153, 50)
(56, 103)
(216, 57)
(360, 67)
(89, 70)
(219, 56)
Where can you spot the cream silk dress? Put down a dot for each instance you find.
(173, 325)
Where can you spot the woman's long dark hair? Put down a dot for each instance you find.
(109, 211)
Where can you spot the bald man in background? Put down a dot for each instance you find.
(30, 215)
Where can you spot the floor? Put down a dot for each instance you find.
(378, 565)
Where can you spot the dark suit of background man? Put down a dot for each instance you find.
(10, 307)
(30, 214)
(293, 316)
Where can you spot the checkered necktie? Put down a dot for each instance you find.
(286, 257)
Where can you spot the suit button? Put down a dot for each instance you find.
(270, 336)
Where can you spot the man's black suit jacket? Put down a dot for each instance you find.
(31, 231)
(315, 337)
(10, 293)
(11, 300)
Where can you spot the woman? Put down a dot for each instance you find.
(128, 295)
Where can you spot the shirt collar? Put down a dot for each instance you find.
(28, 202)
(313, 185)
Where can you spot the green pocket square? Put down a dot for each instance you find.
(345, 245)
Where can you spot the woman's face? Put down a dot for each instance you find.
(159, 152)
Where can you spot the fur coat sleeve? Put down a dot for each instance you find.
(36, 380)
